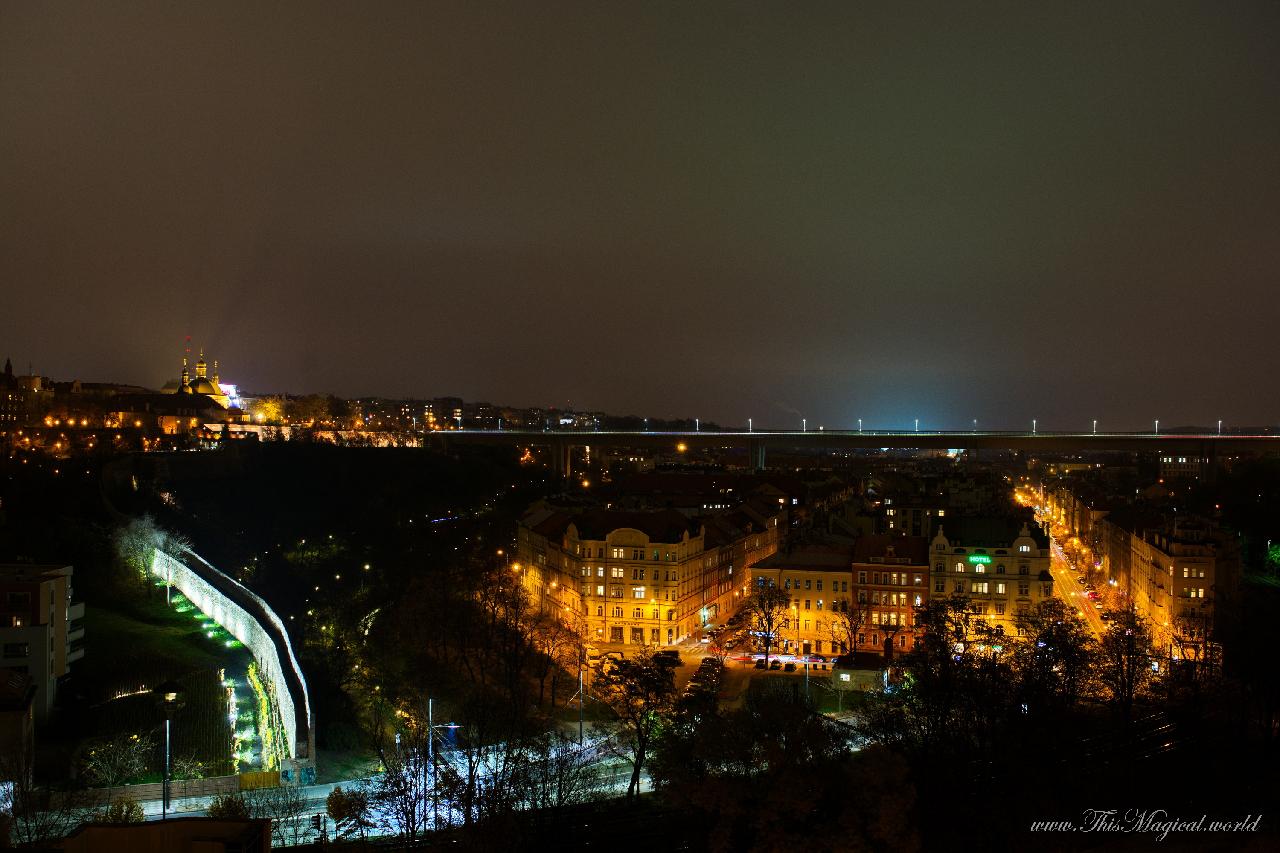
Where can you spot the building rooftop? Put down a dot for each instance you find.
(835, 554)
(989, 531)
(664, 525)
(914, 548)
(32, 571)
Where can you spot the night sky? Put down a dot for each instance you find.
(1062, 211)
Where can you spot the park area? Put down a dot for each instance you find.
(133, 646)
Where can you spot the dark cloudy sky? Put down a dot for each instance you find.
(944, 211)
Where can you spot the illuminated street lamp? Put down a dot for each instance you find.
(1095, 426)
(1219, 426)
(1033, 426)
(169, 698)
(1157, 426)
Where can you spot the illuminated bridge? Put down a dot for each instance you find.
(561, 443)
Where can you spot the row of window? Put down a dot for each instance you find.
(637, 635)
(895, 598)
(615, 591)
(981, 569)
(893, 578)
(636, 613)
(626, 553)
(836, 586)
(984, 587)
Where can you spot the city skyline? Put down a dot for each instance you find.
(1039, 213)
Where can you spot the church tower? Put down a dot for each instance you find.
(184, 387)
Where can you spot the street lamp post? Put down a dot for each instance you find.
(431, 758)
(169, 698)
(1157, 426)
(1095, 426)
(1033, 426)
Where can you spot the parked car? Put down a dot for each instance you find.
(760, 664)
(668, 655)
(775, 664)
(789, 666)
(1082, 580)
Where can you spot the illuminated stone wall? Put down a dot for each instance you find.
(258, 637)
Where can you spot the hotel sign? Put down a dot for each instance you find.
(979, 558)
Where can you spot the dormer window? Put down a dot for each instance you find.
(1024, 549)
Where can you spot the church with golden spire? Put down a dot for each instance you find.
(202, 383)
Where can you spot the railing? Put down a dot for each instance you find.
(178, 789)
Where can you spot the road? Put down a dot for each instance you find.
(1072, 591)
(615, 778)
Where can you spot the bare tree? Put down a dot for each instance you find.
(114, 761)
(767, 608)
(137, 542)
(557, 644)
(639, 691)
(400, 792)
(351, 811)
(845, 624)
(37, 815)
(560, 772)
(231, 806)
(1125, 660)
(135, 545)
(285, 807)
(1055, 656)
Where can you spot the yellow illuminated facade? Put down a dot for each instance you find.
(638, 578)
